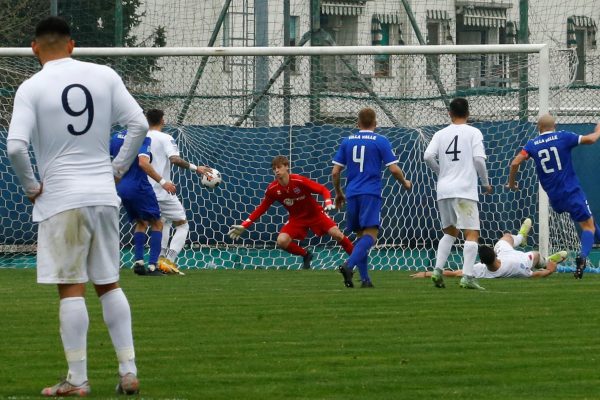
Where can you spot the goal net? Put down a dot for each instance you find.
(237, 112)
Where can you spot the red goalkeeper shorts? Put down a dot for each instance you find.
(298, 229)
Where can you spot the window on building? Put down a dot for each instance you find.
(480, 25)
(293, 39)
(385, 31)
(581, 35)
(438, 32)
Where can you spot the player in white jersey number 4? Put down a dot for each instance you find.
(66, 111)
(457, 155)
(503, 261)
(165, 152)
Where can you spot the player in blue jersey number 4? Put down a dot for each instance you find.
(551, 151)
(363, 154)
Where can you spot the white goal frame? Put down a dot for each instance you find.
(541, 49)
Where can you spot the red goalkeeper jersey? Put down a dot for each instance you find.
(296, 197)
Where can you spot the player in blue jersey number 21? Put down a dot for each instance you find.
(551, 151)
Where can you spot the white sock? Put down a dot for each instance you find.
(166, 235)
(469, 255)
(178, 241)
(443, 251)
(117, 316)
(74, 322)
(517, 239)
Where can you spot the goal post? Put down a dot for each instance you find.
(235, 122)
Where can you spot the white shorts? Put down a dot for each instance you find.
(460, 213)
(171, 209)
(79, 245)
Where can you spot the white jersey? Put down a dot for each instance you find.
(513, 263)
(455, 146)
(66, 112)
(162, 147)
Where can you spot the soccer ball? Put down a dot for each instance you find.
(213, 180)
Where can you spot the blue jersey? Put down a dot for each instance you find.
(135, 179)
(551, 152)
(363, 154)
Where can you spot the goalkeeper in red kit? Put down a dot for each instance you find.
(295, 193)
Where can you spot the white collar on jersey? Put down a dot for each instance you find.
(547, 132)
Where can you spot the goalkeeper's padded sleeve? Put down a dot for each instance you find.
(18, 155)
(479, 163)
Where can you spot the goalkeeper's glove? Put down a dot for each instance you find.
(329, 206)
(236, 231)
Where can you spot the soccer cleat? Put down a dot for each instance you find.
(468, 282)
(168, 267)
(524, 231)
(558, 257)
(306, 260)
(64, 389)
(128, 384)
(347, 274)
(153, 271)
(437, 277)
(580, 263)
(366, 284)
(139, 268)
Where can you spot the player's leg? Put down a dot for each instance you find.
(63, 245)
(467, 214)
(180, 234)
(156, 226)
(510, 239)
(173, 210)
(166, 235)
(368, 209)
(342, 239)
(139, 244)
(448, 220)
(285, 241)
(103, 270)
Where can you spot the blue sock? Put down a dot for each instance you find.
(360, 255)
(155, 241)
(139, 241)
(587, 241)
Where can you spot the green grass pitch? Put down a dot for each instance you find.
(267, 334)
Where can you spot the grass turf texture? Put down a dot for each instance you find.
(267, 334)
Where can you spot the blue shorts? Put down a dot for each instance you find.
(140, 204)
(575, 204)
(363, 211)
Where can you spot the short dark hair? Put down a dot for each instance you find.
(154, 116)
(487, 255)
(459, 107)
(367, 117)
(52, 26)
(280, 160)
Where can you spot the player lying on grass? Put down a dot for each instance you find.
(295, 193)
(141, 205)
(551, 151)
(503, 261)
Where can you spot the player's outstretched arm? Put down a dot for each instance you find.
(181, 163)
(427, 274)
(144, 163)
(592, 137)
(514, 169)
(238, 230)
(399, 175)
